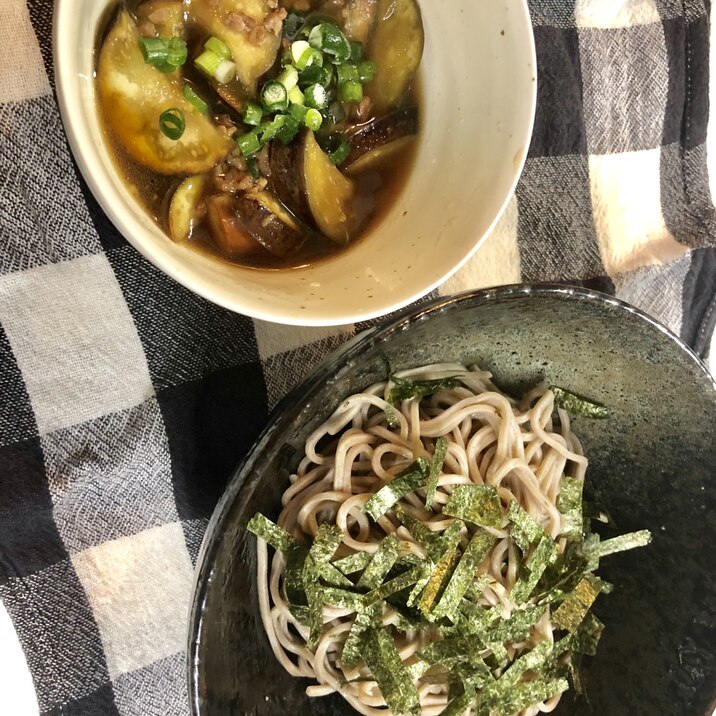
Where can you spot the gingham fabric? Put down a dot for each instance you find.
(126, 401)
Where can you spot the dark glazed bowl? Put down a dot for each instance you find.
(651, 466)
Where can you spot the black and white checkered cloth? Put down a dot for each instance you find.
(126, 401)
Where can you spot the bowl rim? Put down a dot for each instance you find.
(303, 392)
(130, 229)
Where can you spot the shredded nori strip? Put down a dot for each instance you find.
(619, 544)
(587, 636)
(405, 389)
(579, 405)
(570, 614)
(524, 530)
(569, 504)
(458, 705)
(391, 417)
(365, 619)
(313, 591)
(521, 696)
(322, 550)
(436, 467)
(464, 575)
(479, 504)
(381, 563)
(271, 533)
(450, 652)
(398, 584)
(443, 569)
(382, 659)
(515, 629)
(543, 554)
(409, 480)
(342, 598)
(430, 541)
(354, 563)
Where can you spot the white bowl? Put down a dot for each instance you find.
(479, 88)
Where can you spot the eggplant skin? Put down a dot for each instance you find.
(250, 224)
(286, 180)
(379, 132)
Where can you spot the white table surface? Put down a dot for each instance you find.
(17, 695)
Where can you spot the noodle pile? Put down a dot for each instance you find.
(521, 448)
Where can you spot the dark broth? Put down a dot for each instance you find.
(377, 189)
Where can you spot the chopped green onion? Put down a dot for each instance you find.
(366, 71)
(316, 97)
(208, 62)
(356, 51)
(193, 98)
(336, 147)
(298, 48)
(215, 45)
(347, 73)
(316, 75)
(274, 97)
(172, 124)
(253, 114)
(350, 92)
(313, 119)
(289, 130)
(298, 112)
(269, 129)
(295, 96)
(248, 143)
(328, 38)
(225, 72)
(289, 78)
(166, 54)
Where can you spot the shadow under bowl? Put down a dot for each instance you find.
(651, 466)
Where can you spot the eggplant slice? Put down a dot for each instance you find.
(133, 95)
(396, 46)
(251, 29)
(374, 143)
(249, 224)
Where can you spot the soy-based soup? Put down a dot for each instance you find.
(268, 132)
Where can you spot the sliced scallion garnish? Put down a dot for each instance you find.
(195, 100)
(172, 123)
(274, 97)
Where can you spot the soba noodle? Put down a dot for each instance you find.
(515, 446)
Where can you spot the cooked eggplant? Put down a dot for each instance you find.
(250, 223)
(250, 28)
(312, 187)
(380, 139)
(396, 47)
(134, 94)
(330, 194)
(185, 208)
(358, 17)
(165, 17)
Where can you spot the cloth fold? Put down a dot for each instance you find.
(126, 401)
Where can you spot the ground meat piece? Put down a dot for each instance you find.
(233, 181)
(263, 161)
(274, 21)
(272, 4)
(240, 22)
(262, 183)
(225, 122)
(148, 29)
(236, 159)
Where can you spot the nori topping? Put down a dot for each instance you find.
(382, 659)
(479, 504)
(579, 405)
(381, 563)
(404, 388)
(524, 530)
(619, 544)
(570, 614)
(543, 555)
(463, 576)
(395, 585)
(409, 480)
(365, 619)
(353, 563)
(271, 533)
(569, 504)
(436, 467)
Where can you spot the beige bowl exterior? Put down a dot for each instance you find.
(479, 79)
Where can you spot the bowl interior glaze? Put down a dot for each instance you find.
(651, 466)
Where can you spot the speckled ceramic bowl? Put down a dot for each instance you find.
(652, 465)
